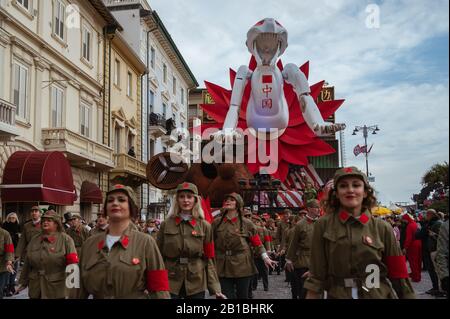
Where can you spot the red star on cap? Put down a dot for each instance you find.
(348, 170)
(186, 185)
(119, 186)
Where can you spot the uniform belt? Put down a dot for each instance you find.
(183, 260)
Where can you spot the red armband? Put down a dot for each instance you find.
(268, 238)
(157, 280)
(9, 248)
(71, 258)
(255, 240)
(208, 250)
(396, 267)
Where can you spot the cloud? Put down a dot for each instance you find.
(379, 71)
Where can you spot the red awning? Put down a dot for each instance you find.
(38, 177)
(90, 193)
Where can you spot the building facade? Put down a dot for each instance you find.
(53, 55)
(164, 90)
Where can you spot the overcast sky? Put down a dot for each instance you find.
(394, 74)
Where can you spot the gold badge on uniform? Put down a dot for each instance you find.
(135, 261)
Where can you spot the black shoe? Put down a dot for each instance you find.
(266, 289)
(432, 292)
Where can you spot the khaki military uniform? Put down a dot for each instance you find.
(233, 242)
(97, 230)
(265, 238)
(343, 246)
(132, 269)
(44, 270)
(282, 229)
(273, 237)
(299, 247)
(79, 236)
(28, 232)
(188, 251)
(6, 249)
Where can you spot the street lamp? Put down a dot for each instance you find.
(365, 130)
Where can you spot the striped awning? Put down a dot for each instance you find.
(297, 179)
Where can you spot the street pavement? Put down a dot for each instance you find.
(279, 289)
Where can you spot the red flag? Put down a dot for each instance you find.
(206, 206)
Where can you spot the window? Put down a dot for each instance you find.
(129, 84)
(86, 44)
(151, 102)
(117, 140)
(130, 140)
(24, 3)
(152, 57)
(164, 110)
(174, 87)
(164, 73)
(117, 73)
(151, 148)
(20, 91)
(57, 104)
(182, 96)
(85, 120)
(59, 13)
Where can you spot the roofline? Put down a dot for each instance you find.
(174, 46)
(101, 8)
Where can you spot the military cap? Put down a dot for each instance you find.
(237, 198)
(349, 171)
(432, 211)
(52, 215)
(35, 208)
(126, 189)
(187, 187)
(151, 220)
(312, 203)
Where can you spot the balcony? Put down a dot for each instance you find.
(7, 119)
(128, 170)
(80, 150)
(156, 125)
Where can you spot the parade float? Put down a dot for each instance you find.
(269, 120)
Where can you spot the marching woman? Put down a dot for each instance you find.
(186, 243)
(122, 262)
(234, 237)
(47, 256)
(354, 255)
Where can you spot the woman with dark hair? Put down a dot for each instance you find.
(186, 243)
(121, 262)
(354, 255)
(234, 238)
(48, 255)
